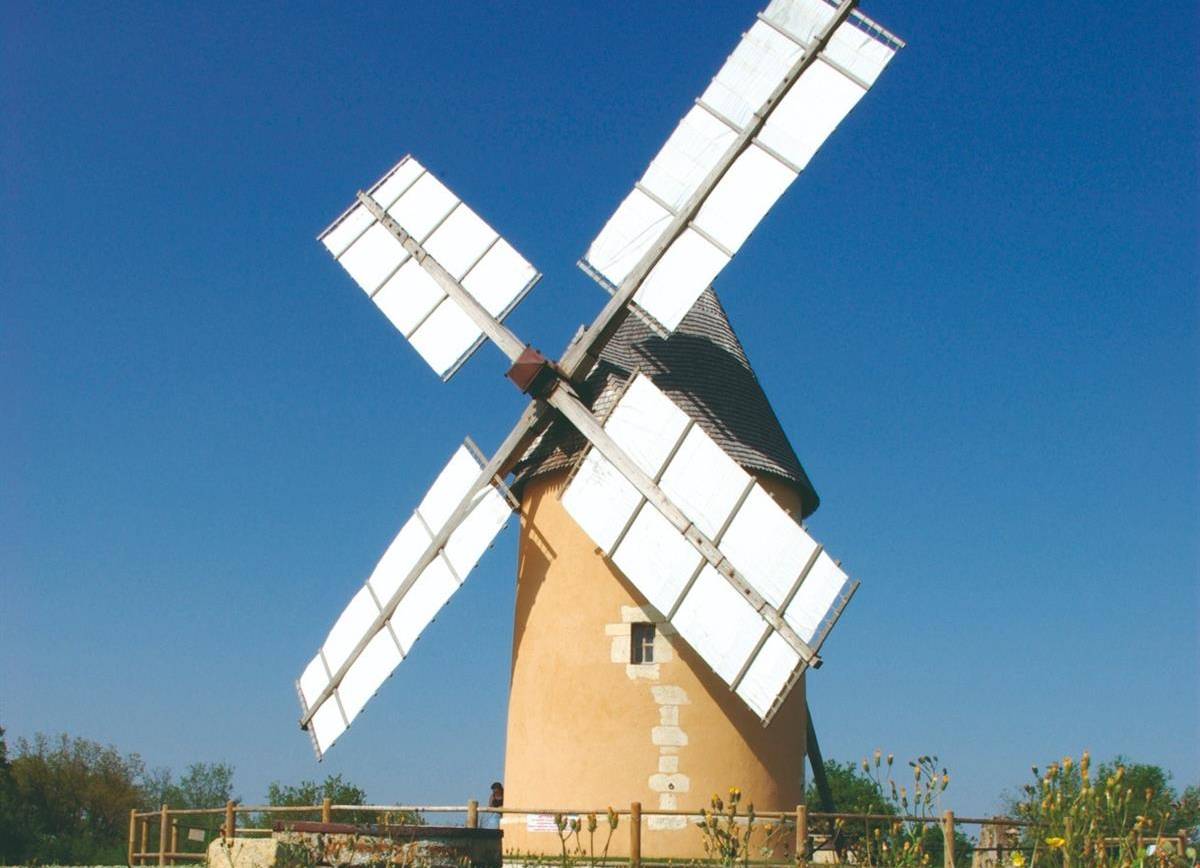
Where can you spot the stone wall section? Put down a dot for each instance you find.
(669, 736)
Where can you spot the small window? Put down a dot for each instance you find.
(642, 637)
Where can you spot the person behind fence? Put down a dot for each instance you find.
(495, 800)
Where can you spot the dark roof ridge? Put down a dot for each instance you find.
(703, 368)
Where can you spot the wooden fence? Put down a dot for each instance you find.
(146, 849)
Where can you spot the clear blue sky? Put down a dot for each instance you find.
(976, 315)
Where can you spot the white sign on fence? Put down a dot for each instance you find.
(544, 822)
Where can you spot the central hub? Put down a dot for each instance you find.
(533, 373)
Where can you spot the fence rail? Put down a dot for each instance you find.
(167, 821)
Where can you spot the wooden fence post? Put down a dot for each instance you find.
(145, 848)
(132, 835)
(802, 835)
(635, 835)
(174, 839)
(948, 839)
(230, 820)
(327, 810)
(164, 834)
(473, 814)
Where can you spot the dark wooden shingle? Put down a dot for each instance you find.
(702, 368)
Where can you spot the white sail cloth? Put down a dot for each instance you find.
(455, 237)
(383, 620)
(772, 552)
(795, 128)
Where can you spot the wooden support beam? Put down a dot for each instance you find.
(190, 858)
(174, 839)
(817, 763)
(145, 836)
(230, 821)
(473, 814)
(802, 836)
(164, 834)
(327, 810)
(635, 835)
(132, 835)
(948, 839)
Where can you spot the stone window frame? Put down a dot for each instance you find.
(641, 642)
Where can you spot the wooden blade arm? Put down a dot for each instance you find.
(496, 331)
(564, 399)
(581, 356)
(498, 466)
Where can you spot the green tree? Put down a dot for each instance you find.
(1100, 816)
(1147, 787)
(14, 840)
(1153, 794)
(870, 788)
(334, 788)
(206, 785)
(339, 792)
(1187, 810)
(75, 797)
(156, 787)
(203, 785)
(853, 790)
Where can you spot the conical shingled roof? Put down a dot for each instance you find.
(702, 368)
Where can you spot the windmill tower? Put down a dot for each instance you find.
(632, 713)
(669, 600)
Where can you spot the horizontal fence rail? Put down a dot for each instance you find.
(155, 836)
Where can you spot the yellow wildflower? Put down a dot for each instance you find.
(1018, 860)
(1056, 843)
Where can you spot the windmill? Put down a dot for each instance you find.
(711, 555)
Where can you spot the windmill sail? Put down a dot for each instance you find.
(449, 240)
(742, 582)
(383, 620)
(774, 554)
(786, 87)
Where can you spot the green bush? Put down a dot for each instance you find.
(1101, 821)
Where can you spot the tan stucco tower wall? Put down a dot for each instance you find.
(588, 729)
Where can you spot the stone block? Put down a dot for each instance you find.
(668, 735)
(669, 694)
